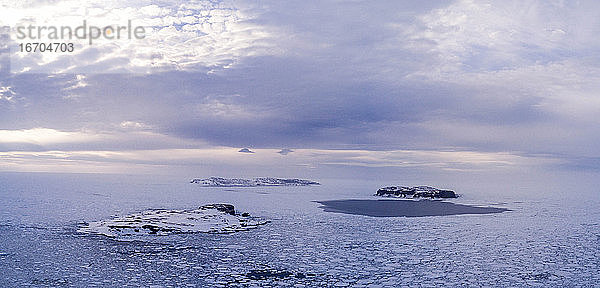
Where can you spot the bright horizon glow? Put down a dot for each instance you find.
(42, 136)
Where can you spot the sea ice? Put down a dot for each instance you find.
(212, 218)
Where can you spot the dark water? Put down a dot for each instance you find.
(404, 208)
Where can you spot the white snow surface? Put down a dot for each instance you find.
(166, 222)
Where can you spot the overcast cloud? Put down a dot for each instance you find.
(432, 84)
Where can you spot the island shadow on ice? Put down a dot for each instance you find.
(403, 208)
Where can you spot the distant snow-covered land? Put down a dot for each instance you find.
(261, 181)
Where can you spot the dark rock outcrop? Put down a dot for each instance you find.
(227, 208)
(415, 192)
(268, 273)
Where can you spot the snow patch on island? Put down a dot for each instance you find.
(212, 218)
(261, 181)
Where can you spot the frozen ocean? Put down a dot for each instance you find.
(549, 238)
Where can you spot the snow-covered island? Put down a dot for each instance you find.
(261, 181)
(211, 218)
(415, 192)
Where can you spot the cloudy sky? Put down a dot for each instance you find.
(351, 85)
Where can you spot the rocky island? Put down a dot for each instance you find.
(211, 218)
(415, 192)
(261, 181)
